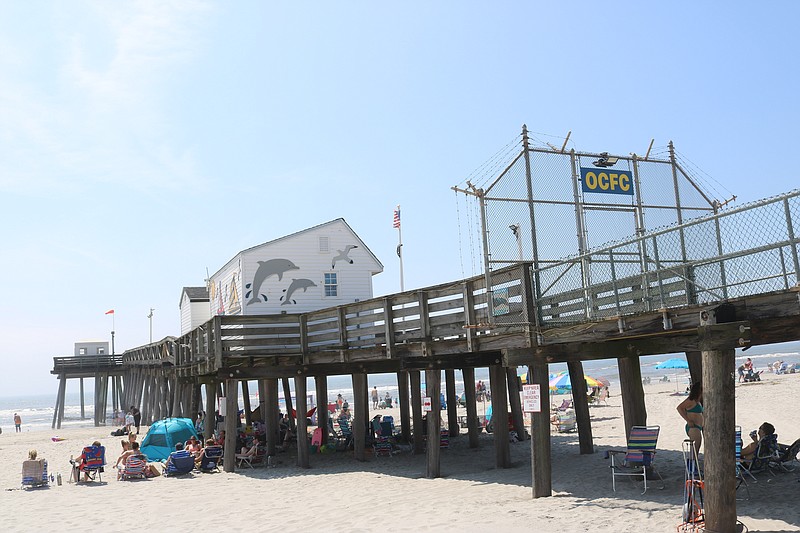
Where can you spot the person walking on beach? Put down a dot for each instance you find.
(375, 397)
(137, 418)
(17, 423)
(691, 410)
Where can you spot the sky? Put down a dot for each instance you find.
(144, 144)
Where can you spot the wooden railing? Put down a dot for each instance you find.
(85, 363)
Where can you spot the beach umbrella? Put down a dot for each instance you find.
(675, 363)
(561, 382)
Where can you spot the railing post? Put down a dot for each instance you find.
(790, 231)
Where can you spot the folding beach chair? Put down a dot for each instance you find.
(740, 471)
(34, 473)
(179, 462)
(210, 459)
(565, 421)
(638, 458)
(135, 468)
(693, 486)
(93, 459)
(345, 436)
(765, 458)
(787, 455)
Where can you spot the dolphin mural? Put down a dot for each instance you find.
(294, 286)
(343, 255)
(273, 267)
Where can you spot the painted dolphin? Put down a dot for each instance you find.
(294, 286)
(343, 255)
(273, 267)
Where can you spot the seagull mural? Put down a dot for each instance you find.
(273, 267)
(343, 255)
(294, 286)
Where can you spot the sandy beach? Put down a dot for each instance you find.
(392, 493)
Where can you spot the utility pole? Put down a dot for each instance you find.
(150, 316)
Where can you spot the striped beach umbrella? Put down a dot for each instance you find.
(561, 382)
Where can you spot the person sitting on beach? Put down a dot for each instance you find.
(133, 449)
(765, 435)
(220, 440)
(691, 410)
(126, 452)
(179, 452)
(251, 451)
(81, 461)
(193, 446)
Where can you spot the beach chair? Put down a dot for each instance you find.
(92, 463)
(135, 468)
(565, 421)
(637, 460)
(765, 458)
(740, 472)
(34, 473)
(787, 455)
(210, 458)
(602, 397)
(179, 462)
(345, 435)
(254, 459)
(565, 404)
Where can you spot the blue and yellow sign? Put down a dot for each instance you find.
(606, 180)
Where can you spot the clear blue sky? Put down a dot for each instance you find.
(143, 142)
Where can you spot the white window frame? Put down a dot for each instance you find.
(327, 286)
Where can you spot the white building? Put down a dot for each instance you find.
(194, 308)
(323, 266)
(91, 348)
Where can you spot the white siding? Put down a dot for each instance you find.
(193, 314)
(303, 250)
(186, 314)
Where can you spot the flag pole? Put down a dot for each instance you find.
(396, 224)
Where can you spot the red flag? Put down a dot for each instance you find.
(110, 312)
(396, 221)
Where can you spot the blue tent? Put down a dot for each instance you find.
(164, 434)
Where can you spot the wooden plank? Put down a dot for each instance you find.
(388, 320)
(211, 407)
(271, 415)
(321, 385)
(405, 410)
(248, 413)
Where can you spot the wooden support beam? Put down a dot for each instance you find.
(302, 421)
(231, 422)
(321, 384)
(58, 412)
(287, 398)
(516, 404)
(581, 403)
(404, 400)
(271, 415)
(416, 411)
(473, 430)
(360, 415)
(452, 402)
(630, 382)
(211, 408)
(541, 468)
(719, 398)
(433, 386)
(83, 409)
(248, 414)
(695, 360)
(497, 380)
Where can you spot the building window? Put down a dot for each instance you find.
(324, 245)
(331, 286)
(101, 351)
(81, 351)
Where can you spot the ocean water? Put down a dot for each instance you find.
(37, 410)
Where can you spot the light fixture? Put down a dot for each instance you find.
(605, 160)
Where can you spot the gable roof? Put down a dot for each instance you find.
(195, 294)
(295, 234)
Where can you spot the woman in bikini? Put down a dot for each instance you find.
(691, 409)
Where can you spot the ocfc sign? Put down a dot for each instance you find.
(606, 181)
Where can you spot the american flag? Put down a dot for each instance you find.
(396, 221)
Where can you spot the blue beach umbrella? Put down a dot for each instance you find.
(675, 363)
